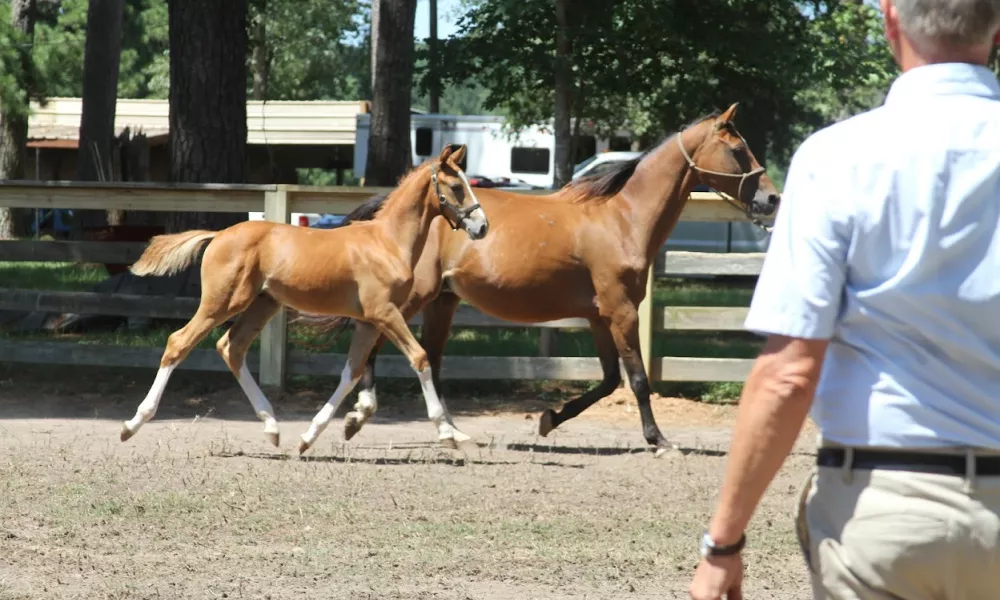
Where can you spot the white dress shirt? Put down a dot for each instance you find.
(887, 243)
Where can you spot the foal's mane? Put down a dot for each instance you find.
(376, 206)
(601, 188)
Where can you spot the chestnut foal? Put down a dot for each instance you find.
(363, 272)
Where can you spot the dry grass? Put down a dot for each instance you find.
(197, 505)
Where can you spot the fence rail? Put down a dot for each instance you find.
(275, 359)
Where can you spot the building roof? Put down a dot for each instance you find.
(274, 123)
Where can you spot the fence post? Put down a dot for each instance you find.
(274, 336)
(547, 341)
(647, 324)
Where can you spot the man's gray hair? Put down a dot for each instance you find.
(952, 22)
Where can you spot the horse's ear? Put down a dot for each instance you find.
(457, 156)
(730, 114)
(446, 152)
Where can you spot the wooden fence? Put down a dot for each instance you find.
(275, 359)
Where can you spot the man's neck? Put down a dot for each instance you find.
(910, 57)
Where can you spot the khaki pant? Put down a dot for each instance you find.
(899, 535)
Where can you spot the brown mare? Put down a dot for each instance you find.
(583, 251)
(364, 272)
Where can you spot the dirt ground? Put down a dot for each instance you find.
(199, 505)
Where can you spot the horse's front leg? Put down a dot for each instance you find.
(623, 318)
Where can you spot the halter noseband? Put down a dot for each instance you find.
(745, 209)
(461, 213)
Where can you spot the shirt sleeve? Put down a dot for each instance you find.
(800, 288)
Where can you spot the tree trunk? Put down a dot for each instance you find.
(260, 58)
(435, 65)
(374, 39)
(389, 150)
(208, 95)
(102, 53)
(14, 123)
(564, 98)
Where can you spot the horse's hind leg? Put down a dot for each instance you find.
(438, 316)
(367, 402)
(608, 353)
(233, 347)
(362, 341)
(179, 345)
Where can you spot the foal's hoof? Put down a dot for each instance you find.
(274, 438)
(449, 443)
(545, 423)
(352, 425)
(303, 446)
(126, 434)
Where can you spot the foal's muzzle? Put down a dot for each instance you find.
(476, 227)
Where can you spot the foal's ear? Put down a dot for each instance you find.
(457, 156)
(729, 115)
(446, 152)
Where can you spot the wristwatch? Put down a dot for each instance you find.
(710, 548)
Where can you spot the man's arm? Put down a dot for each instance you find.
(774, 404)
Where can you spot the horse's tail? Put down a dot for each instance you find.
(168, 254)
(321, 324)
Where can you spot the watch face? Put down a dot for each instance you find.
(705, 545)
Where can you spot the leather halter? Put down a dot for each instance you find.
(461, 213)
(742, 207)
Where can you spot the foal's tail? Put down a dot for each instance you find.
(168, 254)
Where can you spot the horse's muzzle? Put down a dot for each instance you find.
(765, 204)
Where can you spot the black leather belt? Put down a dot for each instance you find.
(926, 462)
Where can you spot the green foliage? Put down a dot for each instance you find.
(316, 49)
(852, 62)
(13, 88)
(60, 37)
(652, 65)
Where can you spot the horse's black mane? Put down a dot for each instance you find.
(366, 211)
(604, 186)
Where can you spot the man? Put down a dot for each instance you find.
(883, 275)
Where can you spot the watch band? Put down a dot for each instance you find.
(710, 548)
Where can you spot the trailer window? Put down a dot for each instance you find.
(529, 160)
(425, 141)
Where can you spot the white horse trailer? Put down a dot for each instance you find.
(490, 150)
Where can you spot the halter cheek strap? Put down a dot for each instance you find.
(461, 212)
(745, 209)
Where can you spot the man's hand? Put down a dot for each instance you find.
(718, 578)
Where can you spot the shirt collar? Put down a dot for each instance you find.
(944, 79)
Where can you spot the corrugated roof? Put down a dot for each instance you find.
(324, 123)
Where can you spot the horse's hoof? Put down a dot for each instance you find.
(663, 448)
(126, 434)
(274, 438)
(352, 425)
(303, 446)
(545, 423)
(449, 443)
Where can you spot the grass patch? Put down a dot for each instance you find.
(512, 341)
(50, 276)
(77, 277)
